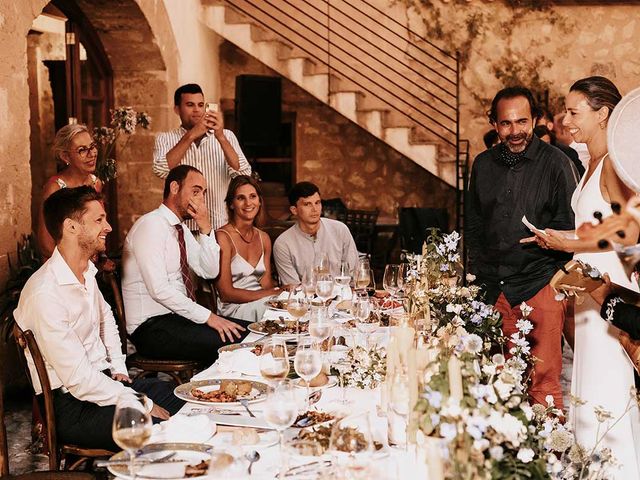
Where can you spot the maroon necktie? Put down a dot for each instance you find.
(184, 265)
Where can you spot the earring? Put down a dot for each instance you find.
(603, 125)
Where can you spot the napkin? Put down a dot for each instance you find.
(241, 361)
(163, 470)
(183, 429)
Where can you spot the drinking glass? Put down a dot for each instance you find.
(363, 274)
(320, 325)
(403, 277)
(399, 396)
(307, 363)
(390, 279)
(274, 359)
(280, 410)
(343, 278)
(351, 446)
(297, 306)
(339, 360)
(131, 426)
(365, 322)
(309, 282)
(324, 286)
(321, 263)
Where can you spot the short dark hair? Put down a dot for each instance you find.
(513, 92)
(546, 114)
(234, 185)
(177, 174)
(599, 92)
(188, 88)
(490, 138)
(542, 130)
(67, 203)
(302, 190)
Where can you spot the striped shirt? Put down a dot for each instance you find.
(210, 160)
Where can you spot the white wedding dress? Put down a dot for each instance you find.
(602, 371)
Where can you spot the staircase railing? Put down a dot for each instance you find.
(365, 49)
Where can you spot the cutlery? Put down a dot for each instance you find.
(141, 461)
(306, 468)
(253, 456)
(315, 397)
(245, 404)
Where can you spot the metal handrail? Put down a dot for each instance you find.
(328, 63)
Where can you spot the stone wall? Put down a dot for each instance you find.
(342, 158)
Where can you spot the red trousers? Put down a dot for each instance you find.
(545, 339)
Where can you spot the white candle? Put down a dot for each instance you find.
(455, 378)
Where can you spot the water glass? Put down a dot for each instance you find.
(131, 426)
(363, 274)
(274, 359)
(280, 410)
(321, 263)
(307, 363)
(398, 409)
(351, 446)
(320, 325)
(309, 282)
(324, 286)
(390, 279)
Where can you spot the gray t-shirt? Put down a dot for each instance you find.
(294, 250)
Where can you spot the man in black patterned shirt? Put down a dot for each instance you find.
(521, 176)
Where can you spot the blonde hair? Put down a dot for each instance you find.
(64, 137)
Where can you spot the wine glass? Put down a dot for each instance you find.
(343, 278)
(339, 360)
(390, 279)
(274, 359)
(363, 274)
(307, 363)
(280, 410)
(320, 325)
(403, 277)
(297, 306)
(131, 426)
(324, 287)
(351, 446)
(309, 282)
(365, 322)
(321, 263)
(399, 397)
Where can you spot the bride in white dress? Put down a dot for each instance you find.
(602, 371)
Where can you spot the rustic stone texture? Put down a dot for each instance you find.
(340, 157)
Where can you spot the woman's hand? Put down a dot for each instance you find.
(550, 239)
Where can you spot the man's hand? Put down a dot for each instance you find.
(206, 123)
(121, 377)
(600, 294)
(217, 120)
(159, 412)
(226, 329)
(197, 208)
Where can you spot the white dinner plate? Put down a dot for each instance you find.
(258, 391)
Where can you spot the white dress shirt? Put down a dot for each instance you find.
(152, 281)
(75, 331)
(209, 158)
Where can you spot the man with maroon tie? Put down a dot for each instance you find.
(163, 318)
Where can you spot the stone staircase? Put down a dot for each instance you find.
(299, 62)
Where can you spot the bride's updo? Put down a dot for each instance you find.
(599, 92)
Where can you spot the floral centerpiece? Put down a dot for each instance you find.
(480, 410)
(364, 368)
(124, 120)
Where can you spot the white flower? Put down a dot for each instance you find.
(525, 455)
(524, 325)
(525, 309)
(507, 425)
(470, 277)
(498, 359)
(481, 444)
(448, 431)
(549, 400)
(454, 308)
(497, 453)
(473, 343)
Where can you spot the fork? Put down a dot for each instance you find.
(245, 404)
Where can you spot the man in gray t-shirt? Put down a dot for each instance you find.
(294, 251)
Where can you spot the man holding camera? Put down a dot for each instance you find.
(202, 142)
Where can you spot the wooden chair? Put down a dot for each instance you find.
(27, 342)
(179, 370)
(362, 225)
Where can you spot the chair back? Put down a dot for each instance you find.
(112, 281)
(27, 342)
(362, 225)
(333, 207)
(414, 222)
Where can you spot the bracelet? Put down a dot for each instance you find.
(611, 305)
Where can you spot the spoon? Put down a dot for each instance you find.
(245, 404)
(253, 456)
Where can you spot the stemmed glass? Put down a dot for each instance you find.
(399, 404)
(307, 363)
(297, 306)
(131, 426)
(343, 278)
(321, 263)
(274, 359)
(390, 279)
(365, 322)
(320, 325)
(351, 446)
(403, 274)
(309, 282)
(280, 411)
(324, 287)
(338, 358)
(363, 274)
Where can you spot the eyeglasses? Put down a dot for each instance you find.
(84, 151)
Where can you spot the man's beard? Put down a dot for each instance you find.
(521, 147)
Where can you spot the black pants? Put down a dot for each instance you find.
(172, 337)
(88, 425)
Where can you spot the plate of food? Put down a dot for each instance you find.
(312, 418)
(246, 438)
(321, 435)
(222, 391)
(276, 304)
(183, 460)
(255, 347)
(281, 326)
(321, 381)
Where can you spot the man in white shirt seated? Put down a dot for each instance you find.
(75, 329)
(295, 249)
(163, 318)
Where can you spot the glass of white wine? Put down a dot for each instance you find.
(320, 325)
(342, 279)
(390, 279)
(324, 287)
(363, 274)
(131, 427)
(297, 307)
(274, 359)
(307, 363)
(280, 410)
(309, 282)
(321, 263)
